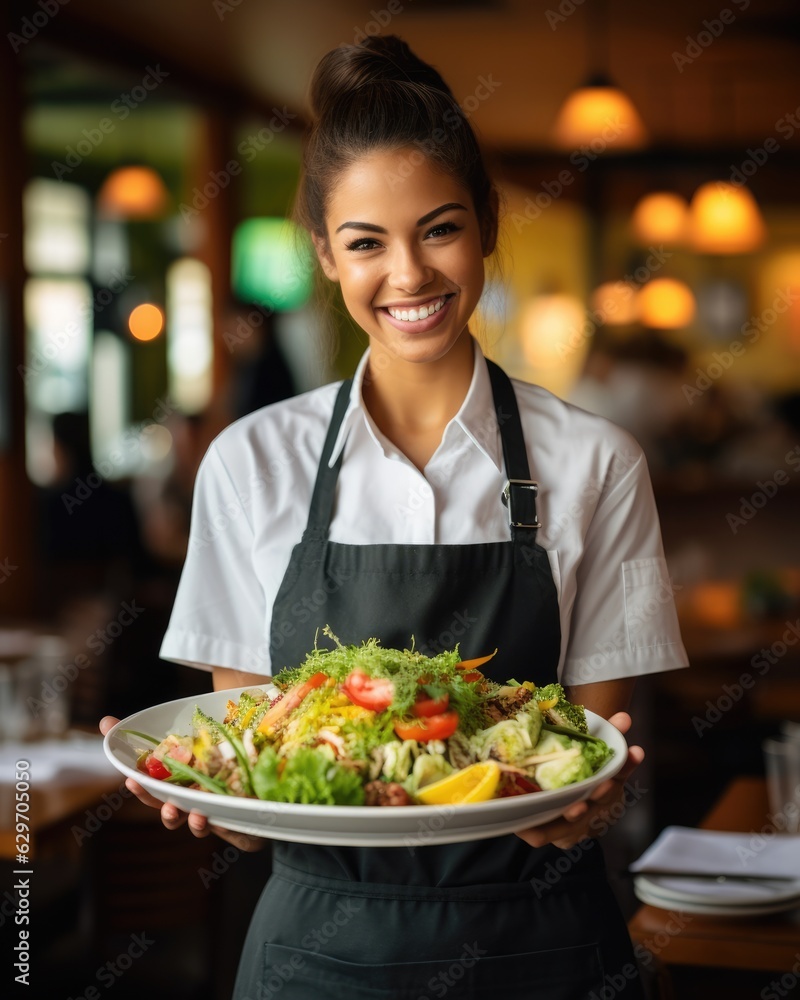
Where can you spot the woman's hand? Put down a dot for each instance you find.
(172, 817)
(595, 814)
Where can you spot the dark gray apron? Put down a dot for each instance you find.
(491, 918)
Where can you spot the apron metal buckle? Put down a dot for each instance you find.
(519, 495)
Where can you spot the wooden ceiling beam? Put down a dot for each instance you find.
(111, 48)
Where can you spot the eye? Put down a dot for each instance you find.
(365, 243)
(443, 228)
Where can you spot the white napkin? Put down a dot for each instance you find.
(684, 849)
(72, 759)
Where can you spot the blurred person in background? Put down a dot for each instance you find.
(261, 373)
(92, 561)
(89, 533)
(637, 384)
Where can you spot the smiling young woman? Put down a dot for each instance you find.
(310, 503)
(408, 256)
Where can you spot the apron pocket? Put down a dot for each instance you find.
(574, 973)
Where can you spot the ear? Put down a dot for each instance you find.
(324, 257)
(489, 224)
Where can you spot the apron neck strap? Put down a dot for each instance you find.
(319, 514)
(515, 456)
(519, 494)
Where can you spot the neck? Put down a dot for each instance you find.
(412, 403)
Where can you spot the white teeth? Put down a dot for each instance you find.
(422, 312)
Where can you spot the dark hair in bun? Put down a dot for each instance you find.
(378, 95)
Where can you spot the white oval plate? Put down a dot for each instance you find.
(344, 826)
(649, 891)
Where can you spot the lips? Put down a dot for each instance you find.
(415, 313)
(420, 318)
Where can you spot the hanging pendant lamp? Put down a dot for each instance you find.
(724, 218)
(599, 115)
(133, 192)
(661, 217)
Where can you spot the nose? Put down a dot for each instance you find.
(409, 272)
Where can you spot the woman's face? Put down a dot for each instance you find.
(404, 236)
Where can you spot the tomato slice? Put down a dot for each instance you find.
(434, 727)
(374, 693)
(472, 664)
(517, 784)
(155, 768)
(472, 676)
(425, 706)
(289, 702)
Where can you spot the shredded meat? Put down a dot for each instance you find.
(507, 703)
(386, 793)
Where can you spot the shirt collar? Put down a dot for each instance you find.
(477, 416)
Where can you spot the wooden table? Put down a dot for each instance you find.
(770, 943)
(53, 805)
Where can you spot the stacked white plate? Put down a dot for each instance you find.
(720, 874)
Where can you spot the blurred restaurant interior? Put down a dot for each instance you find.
(151, 291)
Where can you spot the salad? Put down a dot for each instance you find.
(364, 725)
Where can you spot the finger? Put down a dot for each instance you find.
(621, 721)
(575, 822)
(200, 827)
(142, 794)
(171, 816)
(635, 758)
(553, 833)
(198, 824)
(636, 755)
(611, 786)
(575, 811)
(106, 723)
(243, 841)
(547, 832)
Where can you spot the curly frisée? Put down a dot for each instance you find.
(364, 725)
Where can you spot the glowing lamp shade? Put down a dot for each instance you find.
(616, 303)
(666, 304)
(269, 266)
(133, 193)
(146, 322)
(598, 116)
(550, 328)
(725, 218)
(660, 217)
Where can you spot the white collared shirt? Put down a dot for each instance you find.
(599, 523)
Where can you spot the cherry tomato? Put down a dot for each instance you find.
(374, 693)
(472, 676)
(155, 768)
(435, 727)
(426, 706)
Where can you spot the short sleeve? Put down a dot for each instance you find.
(218, 618)
(624, 622)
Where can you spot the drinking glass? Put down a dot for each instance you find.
(782, 765)
(34, 692)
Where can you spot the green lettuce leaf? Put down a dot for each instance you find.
(309, 776)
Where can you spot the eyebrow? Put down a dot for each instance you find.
(420, 222)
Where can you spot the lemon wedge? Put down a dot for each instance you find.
(475, 783)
